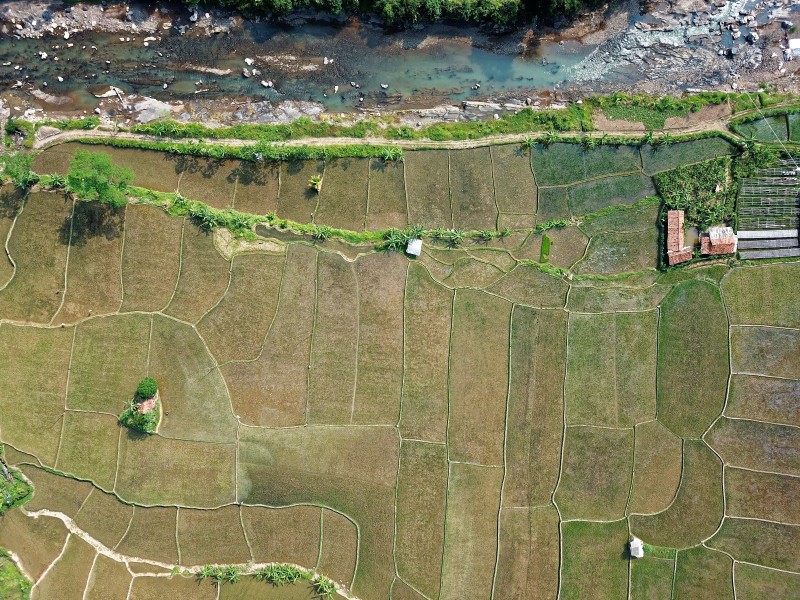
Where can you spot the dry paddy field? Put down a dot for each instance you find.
(461, 425)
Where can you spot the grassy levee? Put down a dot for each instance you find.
(703, 573)
(478, 387)
(94, 258)
(754, 582)
(651, 578)
(596, 473)
(692, 366)
(756, 445)
(37, 542)
(286, 535)
(764, 399)
(109, 579)
(470, 544)
(211, 537)
(354, 472)
(38, 245)
(611, 369)
(271, 391)
(762, 495)
(595, 561)
(152, 533)
(104, 517)
(657, 468)
(150, 258)
(89, 447)
(696, 511)
(36, 370)
(764, 295)
(339, 552)
(760, 542)
(427, 321)
(528, 558)
(535, 417)
(421, 499)
(768, 351)
(68, 576)
(204, 276)
(109, 358)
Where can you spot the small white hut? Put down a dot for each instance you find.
(414, 247)
(636, 547)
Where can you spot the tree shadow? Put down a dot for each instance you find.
(91, 219)
(253, 173)
(185, 163)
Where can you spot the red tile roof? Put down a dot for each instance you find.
(680, 256)
(674, 230)
(707, 247)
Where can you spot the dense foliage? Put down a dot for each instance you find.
(147, 388)
(17, 168)
(92, 176)
(132, 418)
(13, 584)
(14, 490)
(396, 12)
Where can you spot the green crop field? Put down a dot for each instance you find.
(490, 420)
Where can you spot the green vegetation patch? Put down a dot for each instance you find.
(89, 447)
(290, 534)
(768, 351)
(271, 390)
(528, 557)
(764, 399)
(343, 198)
(470, 546)
(211, 536)
(332, 377)
(151, 258)
(595, 560)
(478, 387)
(472, 190)
(754, 583)
(14, 489)
(514, 185)
(760, 542)
(421, 499)
(703, 573)
(387, 195)
(651, 578)
(762, 495)
(535, 416)
(692, 365)
(764, 295)
(428, 308)
(594, 195)
(235, 328)
(696, 510)
(428, 187)
(703, 191)
(771, 129)
(756, 445)
(93, 176)
(109, 357)
(36, 371)
(657, 464)
(656, 159)
(611, 369)
(13, 584)
(38, 245)
(597, 471)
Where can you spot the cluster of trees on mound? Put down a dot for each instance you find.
(398, 12)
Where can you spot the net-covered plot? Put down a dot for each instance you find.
(354, 472)
(696, 511)
(93, 283)
(38, 246)
(764, 295)
(611, 369)
(769, 351)
(428, 188)
(769, 129)
(595, 560)
(204, 276)
(527, 564)
(472, 190)
(692, 365)
(387, 195)
(596, 473)
(343, 199)
(149, 270)
(271, 390)
(421, 501)
(37, 370)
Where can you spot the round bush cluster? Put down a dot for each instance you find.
(147, 388)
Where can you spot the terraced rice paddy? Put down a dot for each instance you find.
(468, 424)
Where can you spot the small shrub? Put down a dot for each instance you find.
(324, 587)
(92, 176)
(545, 253)
(315, 183)
(147, 388)
(17, 167)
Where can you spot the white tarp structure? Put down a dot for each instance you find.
(414, 247)
(794, 46)
(636, 548)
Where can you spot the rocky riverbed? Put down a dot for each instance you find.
(138, 62)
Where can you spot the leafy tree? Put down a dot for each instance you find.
(92, 176)
(147, 388)
(132, 418)
(17, 167)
